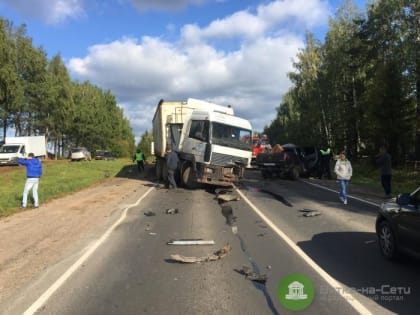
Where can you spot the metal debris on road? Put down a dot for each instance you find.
(217, 255)
(172, 211)
(152, 233)
(253, 276)
(149, 214)
(198, 241)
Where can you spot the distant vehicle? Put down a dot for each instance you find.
(398, 225)
(259, 145)
(19, 147)
(292, 162)
(80, 154)
(104, 155)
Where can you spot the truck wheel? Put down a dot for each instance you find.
(188, 178)
(294, 173)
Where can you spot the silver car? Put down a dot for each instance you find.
(80, 154)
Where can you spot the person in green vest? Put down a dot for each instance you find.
(325, 161)
(139, 158)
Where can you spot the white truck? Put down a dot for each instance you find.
(18, 147)
(213, 145)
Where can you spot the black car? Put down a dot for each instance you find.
(291, 162)
(104, 155)
(398, 225)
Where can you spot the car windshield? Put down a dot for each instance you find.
(9, 149)
(231, 136)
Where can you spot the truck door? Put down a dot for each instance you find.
(197, 139)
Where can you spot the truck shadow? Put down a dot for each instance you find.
(353, 259)
(131, 172)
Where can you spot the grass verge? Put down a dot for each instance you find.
(59, 178)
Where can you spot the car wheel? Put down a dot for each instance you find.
(386, 241)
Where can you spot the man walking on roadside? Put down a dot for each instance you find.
(171, 164)
(383, 159)
(33, 174)
(139, 158)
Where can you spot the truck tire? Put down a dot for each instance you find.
(188, 177)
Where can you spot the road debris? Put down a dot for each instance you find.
(234, 229)
(253, 276)
(217, 255)
(309, 213)
(149, 214)
(227, 197)
(197, 241)
(172, 211)
(152, 233)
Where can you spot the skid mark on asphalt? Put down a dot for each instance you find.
(227, 212)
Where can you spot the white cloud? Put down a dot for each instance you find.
(252, 77)
(48, 11)
(169, 5)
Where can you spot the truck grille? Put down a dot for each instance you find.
(224, 159)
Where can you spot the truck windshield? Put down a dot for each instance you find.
(9, 149)
(231, 136)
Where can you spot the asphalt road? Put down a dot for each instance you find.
(132, 272)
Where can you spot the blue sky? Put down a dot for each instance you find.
(231, 52)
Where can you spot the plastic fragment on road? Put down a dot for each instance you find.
(309, 213)
(228, 197)
(253, 276)
(149, 214)
(217, 255)
(198, 241)
(172, 211)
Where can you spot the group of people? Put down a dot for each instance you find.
(344, 171)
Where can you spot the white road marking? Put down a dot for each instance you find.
(336, 191)
(359, 307)
(66, 275)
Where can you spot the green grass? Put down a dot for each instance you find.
(59, 178)
(403, 180)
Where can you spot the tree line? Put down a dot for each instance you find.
(360, 88)
(38, 97)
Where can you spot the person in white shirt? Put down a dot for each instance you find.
(344, 171)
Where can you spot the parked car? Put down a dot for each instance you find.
(80, 154)
(104, 155)
(398, 225)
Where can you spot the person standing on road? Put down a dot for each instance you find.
(344, 171)
(171, 164)
(325, 167)
(139, 158)
(33, 174)
(383, 159)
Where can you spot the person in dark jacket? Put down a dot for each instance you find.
(33, 174)
(325, 162)
(171, 164)
(383, 159)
